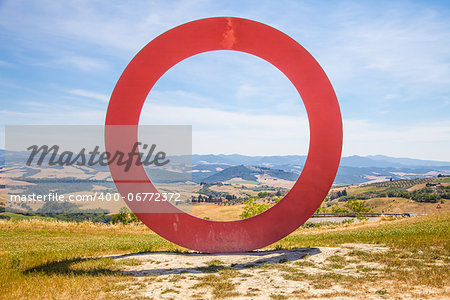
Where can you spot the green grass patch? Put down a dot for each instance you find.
(411, 233)
(41, 259)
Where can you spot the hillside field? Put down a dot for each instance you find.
(216, 212)
(375, 197)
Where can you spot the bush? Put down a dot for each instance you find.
(252, 208)
(125, 217)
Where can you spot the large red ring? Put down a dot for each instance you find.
(227, 33)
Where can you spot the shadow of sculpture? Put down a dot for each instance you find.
(66, 267)
(107, 265)
(253, 259)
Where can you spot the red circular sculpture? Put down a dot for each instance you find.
(319, 171)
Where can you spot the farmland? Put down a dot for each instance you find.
(419, 196)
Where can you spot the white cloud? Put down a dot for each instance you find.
(178, 96)
(245, 91)
(425, 140)
(2, 136)
(53, 115)
(89, 94)
(124, 26)
(407, 49)
(218, 131)
(82, 63)
(228, 80)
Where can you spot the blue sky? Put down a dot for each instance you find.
(388, 61)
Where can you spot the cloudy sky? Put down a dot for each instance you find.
(388, 61)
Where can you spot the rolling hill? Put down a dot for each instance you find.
(214, 168)
(353, 169)
(249, 173)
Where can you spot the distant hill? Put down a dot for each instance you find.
(409, 161)
(238, 159)
(353, 169)
(249, 173)
(378, 161)
(2, 158)
(215, 168)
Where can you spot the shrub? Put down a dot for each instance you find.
(125, 217)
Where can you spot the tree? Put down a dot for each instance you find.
(337, 209)
(251, 208)
(321, 210)
(262, 194)
(357, 206)
(125, 217)
(352, 206)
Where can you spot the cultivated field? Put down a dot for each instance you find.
(217, 212)
(403, 258)
(402, 205)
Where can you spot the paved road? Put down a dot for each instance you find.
(337, 219)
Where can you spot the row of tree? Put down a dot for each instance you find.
(212, 199)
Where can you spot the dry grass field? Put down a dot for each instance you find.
(402, 205)
(216, 212)
(378, 205)
(388, 259)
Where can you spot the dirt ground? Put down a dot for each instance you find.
(298, 273)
